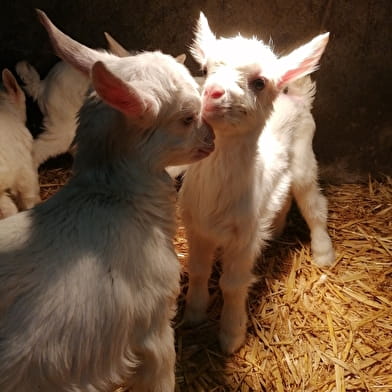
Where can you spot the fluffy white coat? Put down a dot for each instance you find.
(235, 199)
(89, 279)
(59, 96)
(17, 173)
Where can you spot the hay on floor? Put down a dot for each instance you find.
(309, 329)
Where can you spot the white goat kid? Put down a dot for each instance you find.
(17, 173)
(233, 198)
(60, 96)
(89, 279)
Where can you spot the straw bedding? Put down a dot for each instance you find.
(309, 329)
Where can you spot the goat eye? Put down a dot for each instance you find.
(204, 71)
(259, 83)
(188, 120)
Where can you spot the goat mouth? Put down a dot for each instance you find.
(220, 112)
(203, 152)
(222, 108)
(213, 109)
(212, 114)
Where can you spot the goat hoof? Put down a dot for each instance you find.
(324, 259)
(322, 250)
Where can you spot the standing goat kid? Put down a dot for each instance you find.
(89, 279)
(17, 172)
(238, 197)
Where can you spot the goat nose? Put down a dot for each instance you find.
(214, 92)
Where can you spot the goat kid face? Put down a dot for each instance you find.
(243, 76)
(182, 132)
(237, 97)
(170, 117)
(155, 93)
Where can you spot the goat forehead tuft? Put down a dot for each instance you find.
(166, 82)
(242, 53)
(189, 103)
(157, 74)
(152, 66)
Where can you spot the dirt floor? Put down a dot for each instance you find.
(309, 329)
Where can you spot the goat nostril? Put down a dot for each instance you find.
(214, 92)
(217, 93)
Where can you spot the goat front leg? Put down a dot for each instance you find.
(314, 208)
(236, 279)
(156, 372)
(201, 258)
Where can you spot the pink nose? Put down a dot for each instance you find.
(214, 92)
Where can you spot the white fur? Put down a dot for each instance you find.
(17, 173)
(60, 96)
(89, 279)
(238, 196)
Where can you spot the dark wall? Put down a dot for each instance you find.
(353, 104)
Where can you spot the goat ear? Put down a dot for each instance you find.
(115, 47)
(11, 85)
(181, 58)
(71, 51)
(301, 61)
(117, 93)
(204, 37)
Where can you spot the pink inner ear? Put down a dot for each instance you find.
(306, 67)
(287, 77)
(116, 92)
(303, 60)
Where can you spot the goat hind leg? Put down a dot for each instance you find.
(30, 77)
(314, 208)
(280, 219)
(54, 140)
